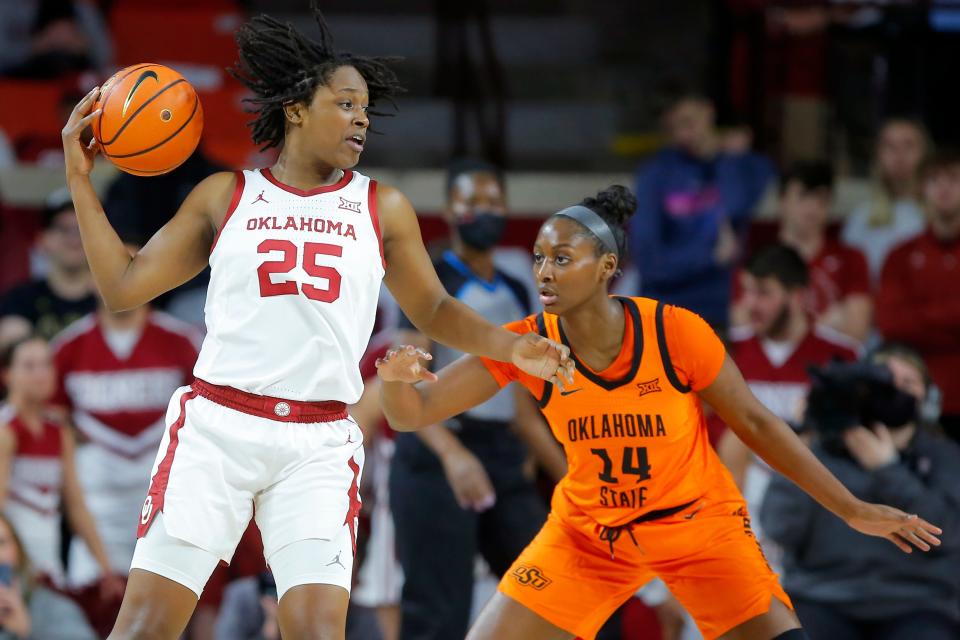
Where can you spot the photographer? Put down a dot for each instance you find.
(845, 586)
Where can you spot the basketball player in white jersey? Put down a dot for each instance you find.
(297, 253)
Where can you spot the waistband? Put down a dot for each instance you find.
(271, 408)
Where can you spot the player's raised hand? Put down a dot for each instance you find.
(78, 157)
(405, 364)
(544, 359)
(902, 529)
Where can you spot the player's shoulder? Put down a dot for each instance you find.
(73, 332)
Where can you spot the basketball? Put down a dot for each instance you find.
(151, 119)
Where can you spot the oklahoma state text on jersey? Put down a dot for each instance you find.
(634, 433)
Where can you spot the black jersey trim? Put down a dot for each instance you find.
(631, 307)
(547, 386)
(665, 353)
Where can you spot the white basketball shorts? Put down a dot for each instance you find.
(226, 453)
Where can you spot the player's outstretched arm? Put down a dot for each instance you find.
(414, 283)
(176, 253)
(409, 406)
(770, 438)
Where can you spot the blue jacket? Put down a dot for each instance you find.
(681, 203)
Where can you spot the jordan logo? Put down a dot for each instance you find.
(336, 560)
(260, 198)
(350, 439)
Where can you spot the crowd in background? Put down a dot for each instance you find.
(86, 389)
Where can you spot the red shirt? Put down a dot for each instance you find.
(781, 387)
(119, 401)
(918, 303)
(835, 273)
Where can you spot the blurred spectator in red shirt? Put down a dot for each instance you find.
(838, 295)
(45, 306)
(918, 301)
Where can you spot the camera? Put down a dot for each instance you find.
(844, 395)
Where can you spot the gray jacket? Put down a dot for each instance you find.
(867, 577)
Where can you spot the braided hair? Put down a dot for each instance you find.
(282, 66)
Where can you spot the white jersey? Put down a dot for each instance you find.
(295, 278)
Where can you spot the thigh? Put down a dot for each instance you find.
(506, 619)
(821, 621)
(313, 561)
(507, 528)
(571, 582)
(203, 474)
(716, 569)
(312, 489)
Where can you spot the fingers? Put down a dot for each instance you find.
(903, 546)
(81, 110)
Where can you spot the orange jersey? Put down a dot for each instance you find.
(634, 434)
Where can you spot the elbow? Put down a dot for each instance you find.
(403, 425)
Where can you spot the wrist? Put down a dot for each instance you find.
(852, 509)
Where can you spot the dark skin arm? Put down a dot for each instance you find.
(774, 441)
(413, 281)
(466, 383)
(175, 254)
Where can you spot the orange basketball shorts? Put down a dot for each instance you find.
(706, 554)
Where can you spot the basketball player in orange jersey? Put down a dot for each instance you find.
(297, 258)
(645, 494)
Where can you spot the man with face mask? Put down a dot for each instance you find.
(847, 586)
(460, 488)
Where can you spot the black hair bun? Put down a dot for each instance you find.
(617, 202)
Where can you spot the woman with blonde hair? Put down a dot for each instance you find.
(893, 214)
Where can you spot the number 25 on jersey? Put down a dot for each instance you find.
(289, 260)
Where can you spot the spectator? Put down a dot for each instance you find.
(462, 485)
(893, 213)
(773, 353)
(45, 306)
(28, 609)
(694, 202)
(918, 300)
(846, 586)
(37, 468)
(116, 373)
(839, 292)
(50, 38)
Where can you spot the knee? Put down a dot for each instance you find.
(313, 626)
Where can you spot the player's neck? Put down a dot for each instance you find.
(479, 262)
(596, 327)
(807, 243)
(70, 284)
(302, 175)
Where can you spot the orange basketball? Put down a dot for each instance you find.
(151, 119)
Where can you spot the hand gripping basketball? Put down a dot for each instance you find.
(77, 156)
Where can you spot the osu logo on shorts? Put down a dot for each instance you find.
(531, 576)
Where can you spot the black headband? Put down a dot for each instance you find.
(594, 224)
